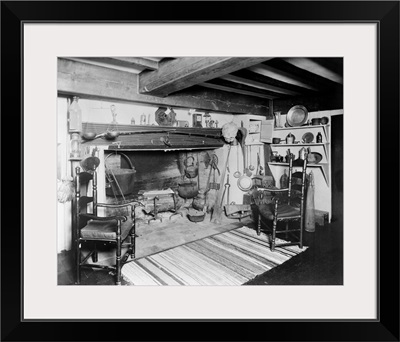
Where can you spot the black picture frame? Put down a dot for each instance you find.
(385, 14)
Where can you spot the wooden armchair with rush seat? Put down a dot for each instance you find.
(90, 229)
(286, 207)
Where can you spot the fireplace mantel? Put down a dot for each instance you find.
(135, 137)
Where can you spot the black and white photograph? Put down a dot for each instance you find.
(200, 162)
(200, 171)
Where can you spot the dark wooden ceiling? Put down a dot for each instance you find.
(229, 79)
(271, 79)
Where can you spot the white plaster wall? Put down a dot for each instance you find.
(100, 112)
(63, 172)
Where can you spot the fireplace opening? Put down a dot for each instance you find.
(177, 178)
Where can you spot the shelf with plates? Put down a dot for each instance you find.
(300, 127)
(324, 145)
(294, 139)
(301, 144)
(324, 128)
(323, 166)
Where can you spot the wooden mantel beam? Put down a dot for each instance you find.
(184, 72)
(92, 81)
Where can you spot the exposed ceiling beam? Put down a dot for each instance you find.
(234, 90)
(138, 62)
(92, 81)
(181, 73)
(321, 83)
(256, 84)
(315, 68)
(105, 63)
(249, 75)
(242, 87)
(280, 75)
(157, 59)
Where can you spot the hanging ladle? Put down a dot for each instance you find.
(237, 174)
(251, 167)
(246, 170)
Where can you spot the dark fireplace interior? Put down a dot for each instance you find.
(160, 170)
(155, 170)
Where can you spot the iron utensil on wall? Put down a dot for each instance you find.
(251, 166)
(237, 174)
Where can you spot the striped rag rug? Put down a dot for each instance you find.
(230, 258)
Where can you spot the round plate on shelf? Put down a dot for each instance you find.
(308, 137)
(314, 158)
(297, 116)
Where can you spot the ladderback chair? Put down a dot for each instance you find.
(287, 208)
(90, 229)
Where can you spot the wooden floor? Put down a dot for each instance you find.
(152, 238)
(321, 264)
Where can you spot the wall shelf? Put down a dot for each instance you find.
(324, 145)
(322, 170)
(323, 166)
(287, 164)
(310, 144)
(325, 129)
(300, 127)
